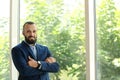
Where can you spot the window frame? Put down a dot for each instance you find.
(90, 24)
(14, 33)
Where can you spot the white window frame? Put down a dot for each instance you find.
(90, 24)
(14, 32)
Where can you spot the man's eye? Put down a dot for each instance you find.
(34, 31)
(28, 31)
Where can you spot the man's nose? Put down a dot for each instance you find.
(32, 34)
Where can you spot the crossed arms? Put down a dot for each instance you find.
(33, 63)
(29, 68)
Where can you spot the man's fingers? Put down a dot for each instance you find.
(50, 60)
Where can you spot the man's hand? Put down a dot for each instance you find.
(50, 60)
(32, 62)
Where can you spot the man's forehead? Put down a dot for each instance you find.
(30, 27)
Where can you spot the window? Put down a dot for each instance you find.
(108, 39)
(4, 40)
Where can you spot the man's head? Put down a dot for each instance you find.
(30, 32)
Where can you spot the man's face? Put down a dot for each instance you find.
(30, 33)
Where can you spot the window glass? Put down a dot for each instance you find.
(108, 39)
(4, 40)
(61, 26)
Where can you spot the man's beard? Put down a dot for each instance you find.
(30, 41)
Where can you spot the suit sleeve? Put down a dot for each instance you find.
(21, 63)
(49, 67)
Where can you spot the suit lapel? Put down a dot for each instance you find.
(27, 47)
(31, 52)
(37, 52)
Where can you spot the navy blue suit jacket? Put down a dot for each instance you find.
(20, 55)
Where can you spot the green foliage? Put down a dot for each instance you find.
(4, 58)
(4, 50)
(108, 41)
(3, 22)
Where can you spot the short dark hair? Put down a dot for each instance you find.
(28, 22)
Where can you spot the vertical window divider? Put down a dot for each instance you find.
(14, 33)
(90, 24)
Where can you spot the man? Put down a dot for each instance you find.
(33, 61)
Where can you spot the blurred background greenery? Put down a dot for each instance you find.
(61, 25)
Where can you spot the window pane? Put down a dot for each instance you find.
(4, 40)
(108, 39)
(61, 25)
